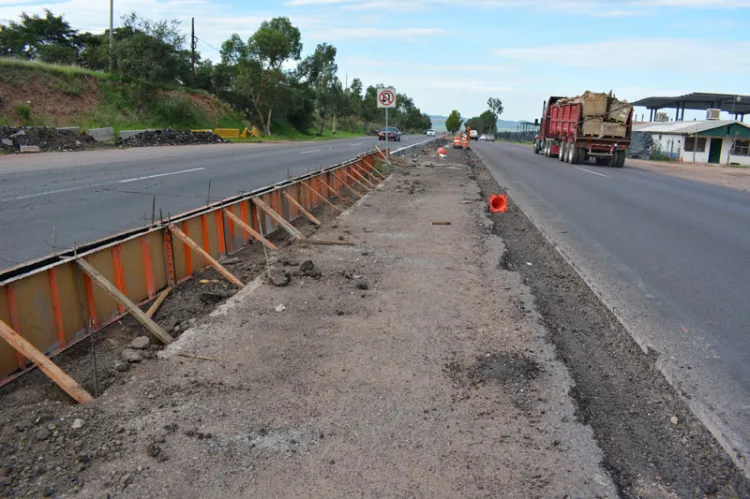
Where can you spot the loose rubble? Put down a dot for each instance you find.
(169, 137)
(47, 139)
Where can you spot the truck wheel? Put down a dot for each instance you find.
(546, 149)
(581, 155)
(536, 147)
(573, 154)
(620, 155)
(561, 152)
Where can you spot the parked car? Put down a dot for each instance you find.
(430, 133)
(490, 138)
(393, 133)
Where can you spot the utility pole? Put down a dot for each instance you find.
(192, 48)
(111, 29)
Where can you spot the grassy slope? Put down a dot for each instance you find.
(40, 94)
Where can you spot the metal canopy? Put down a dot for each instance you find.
(731, 103)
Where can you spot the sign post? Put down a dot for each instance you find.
(387, 100)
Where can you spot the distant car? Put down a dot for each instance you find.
(474, 135)
(430, 133)
(483, 137)
(391, 132)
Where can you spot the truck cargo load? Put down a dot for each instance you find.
(589, 126)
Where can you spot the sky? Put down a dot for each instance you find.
(448, 54)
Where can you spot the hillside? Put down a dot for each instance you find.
(438, 123)
(39, 94)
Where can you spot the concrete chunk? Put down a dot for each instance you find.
(30, 149)
(126, 134)
(75, 129)
(102, 134)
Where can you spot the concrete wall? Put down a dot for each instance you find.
(673, 146)
(102, 134)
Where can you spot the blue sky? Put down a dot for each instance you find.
(449, 54)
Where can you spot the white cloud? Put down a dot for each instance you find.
(388, 34)
(638, 54)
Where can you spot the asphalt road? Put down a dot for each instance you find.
(670, 256)
(56, 200)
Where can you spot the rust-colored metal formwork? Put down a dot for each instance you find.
(51, 302)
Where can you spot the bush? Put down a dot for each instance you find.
(23, 112)
(177, 111)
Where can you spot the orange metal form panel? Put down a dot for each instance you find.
(8, 355)
(230, 229)
(211, 235)
(244, 217)
(220, 232)
(55, 296)
(169, 258)
(187, 251)
(148, 266)
(206, 241)
(134, 273)
(70, 297)
(13, 312)
(119, 272)
(106, 306)
(90, 302)
(35, 317)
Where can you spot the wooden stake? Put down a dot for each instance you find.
(198, 357)
(357, 181)
(242, 225)
(441, 223)
(328, 243)
(279, 219)
(356, 193)
(131, 307)
(22, 345)
(320, 196)
(205, 254)
(373, 170)
(342, 198)
(157, 303)
(364, 178)
(301, 208)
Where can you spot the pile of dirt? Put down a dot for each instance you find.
(47, 139)
(169, 137)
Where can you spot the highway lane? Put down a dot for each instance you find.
(83, 196)
(670, 256)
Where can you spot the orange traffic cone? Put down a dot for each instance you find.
(498, 203)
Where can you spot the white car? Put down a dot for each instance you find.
(474, 135)
(430, 133)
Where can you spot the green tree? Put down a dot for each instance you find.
(496, 106)
(453, 121)
(49, 38)
(320, 69)
(274, 43)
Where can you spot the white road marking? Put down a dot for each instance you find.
(308, 152)
(356, 144)
(126, 181)
(595, 173)
(91, 186)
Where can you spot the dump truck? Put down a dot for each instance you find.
(594, 126)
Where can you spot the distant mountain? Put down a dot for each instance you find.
(438, 124)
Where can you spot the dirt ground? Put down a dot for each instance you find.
(726, 176)
(413, 365)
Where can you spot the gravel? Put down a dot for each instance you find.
(169, 137)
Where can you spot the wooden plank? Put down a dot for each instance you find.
(356, 193)
(279, 219)
(157, 303)
(322, 242)
(362, 177)
(322, 197)
(367, 189)
(26, 349)
(342, 198)
(373, 169)
(131, 307)
(250, 230)
(301, 208)
(367, 175)
(211, 260)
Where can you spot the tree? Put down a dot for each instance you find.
(274, 43)
(49, 38)
(496, 106)
(453, 121)
(320, 71)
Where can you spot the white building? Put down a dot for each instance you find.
(709, 141)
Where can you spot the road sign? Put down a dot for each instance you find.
(387, 98)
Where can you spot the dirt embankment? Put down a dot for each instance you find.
(725, 176)
(407, 365)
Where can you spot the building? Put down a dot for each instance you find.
(736, 105)
(709, 141)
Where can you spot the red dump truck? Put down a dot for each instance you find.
(592, 125)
